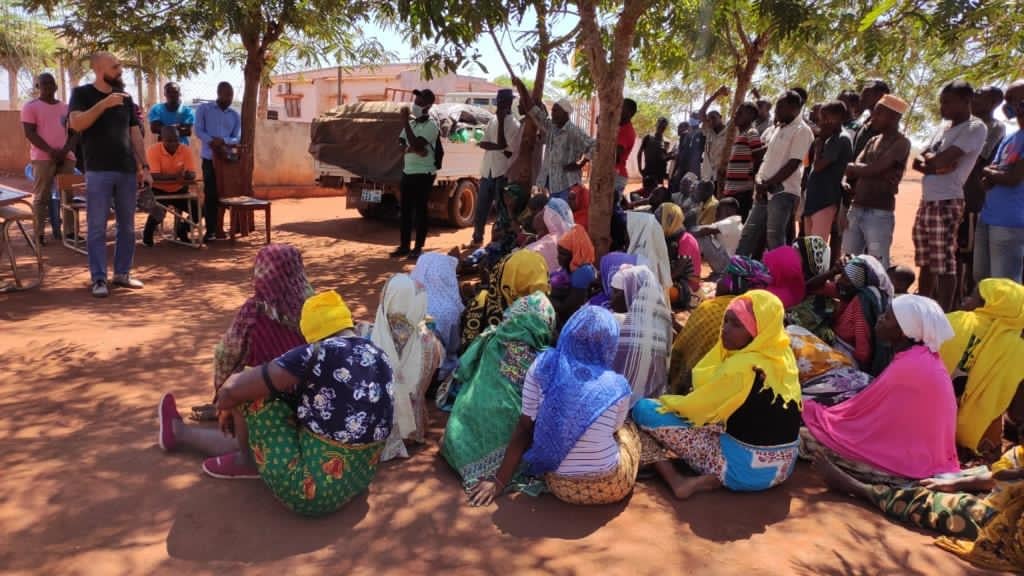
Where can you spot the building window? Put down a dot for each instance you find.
(293, 105)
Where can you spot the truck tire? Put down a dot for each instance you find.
(462, 204)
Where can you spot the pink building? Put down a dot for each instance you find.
(302, 96)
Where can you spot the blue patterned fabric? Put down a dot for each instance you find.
(578, 386)
(755, 468)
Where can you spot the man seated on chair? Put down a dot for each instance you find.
(172, 167)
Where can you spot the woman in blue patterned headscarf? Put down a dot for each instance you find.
(572, 431)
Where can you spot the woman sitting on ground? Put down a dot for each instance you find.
(401, 331)
(490, 398)
(312, 424)
(704, 326)
(647, 243)
(986, 529)
(573, 429)
(519, 274)
(437, 274)
(611, 263)
(816, 310)
(684, 255)
(865, 293)
(556, 219)
(267, 325)
(984, 359)
(570, 286)
(642, 352)
(903, 425)
(739, 426)
(827, 375)
(787, 275)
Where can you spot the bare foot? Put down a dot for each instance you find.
(836, 479)
(684, 486)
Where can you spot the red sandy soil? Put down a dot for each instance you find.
(84, 488)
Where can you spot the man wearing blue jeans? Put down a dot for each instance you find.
(777, 184)
(999, 238)
(103, 114)
(876, 173)
(501, 140)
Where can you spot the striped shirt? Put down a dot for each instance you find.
(596, 452)
(739, 176)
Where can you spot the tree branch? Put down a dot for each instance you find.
(740, 32)
(590, 36)
(501, 52)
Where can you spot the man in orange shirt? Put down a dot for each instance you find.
(171, 164)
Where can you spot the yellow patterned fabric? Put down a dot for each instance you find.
(697, 338)
(1000, 545)
(814, 357)
(606, 488)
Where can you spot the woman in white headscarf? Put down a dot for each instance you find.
(414, 352)
(436, 273)
(646, 336)
(557, 219)
(647, 243)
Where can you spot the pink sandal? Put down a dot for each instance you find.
(225, 468)
(167, 413)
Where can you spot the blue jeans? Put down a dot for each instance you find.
(489, 191)
(869, 232)
(102, 189)
(766, 226)
(998, 252)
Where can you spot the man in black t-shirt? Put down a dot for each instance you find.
(652, 158)
(115, 160)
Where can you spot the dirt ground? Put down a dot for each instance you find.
(84, 488)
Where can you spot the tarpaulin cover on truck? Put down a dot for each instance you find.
(363, 138)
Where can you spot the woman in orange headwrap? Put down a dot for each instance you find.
(571, 287)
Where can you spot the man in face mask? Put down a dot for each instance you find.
(171, 112)
(115, 158)
(419, 139)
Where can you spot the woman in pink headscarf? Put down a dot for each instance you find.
(787, 270)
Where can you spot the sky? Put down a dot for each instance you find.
(204, 85)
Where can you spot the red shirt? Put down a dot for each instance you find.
(626, 140)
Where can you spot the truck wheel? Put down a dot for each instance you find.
(462, 204)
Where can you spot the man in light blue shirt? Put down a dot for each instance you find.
(218, 127)
(171, 112)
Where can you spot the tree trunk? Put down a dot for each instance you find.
(744, 74)
(139, 87)
(253, 74)
(12, 86)
(264, 100)
(62, 81)
(152, 90)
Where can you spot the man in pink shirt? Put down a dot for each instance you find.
(45, 123)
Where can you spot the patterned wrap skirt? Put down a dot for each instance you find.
(308, 473)
(710, 451)
(605, 488)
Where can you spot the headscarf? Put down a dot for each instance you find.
(558, 219)
(987, 346)
(743, 274)
(787, 275)
(324, 315)
(672, 219)
(578, 242)
(521, 273)
(577, 384)
(403, 301)
(743, 308)
(436, 272)
(644, 345)
(647, 241)
(267, 325)
(922, 320)
(875, 291)
(815, 255)
(610, 264)
(697, 338)
(724, 378)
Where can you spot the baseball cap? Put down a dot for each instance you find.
(427, 95)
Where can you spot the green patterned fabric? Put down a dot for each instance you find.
(309, 474)
(492, 371)
(959, 515)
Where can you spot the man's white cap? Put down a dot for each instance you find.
(565, 105)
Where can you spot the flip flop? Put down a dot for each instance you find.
(224, 467)
(166, 414)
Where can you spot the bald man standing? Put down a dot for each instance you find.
(115, 161)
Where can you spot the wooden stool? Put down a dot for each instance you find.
(9, 216)
(243, 214)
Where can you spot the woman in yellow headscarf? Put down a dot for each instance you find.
(519, 274)
(986, 351)
(739, 427)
